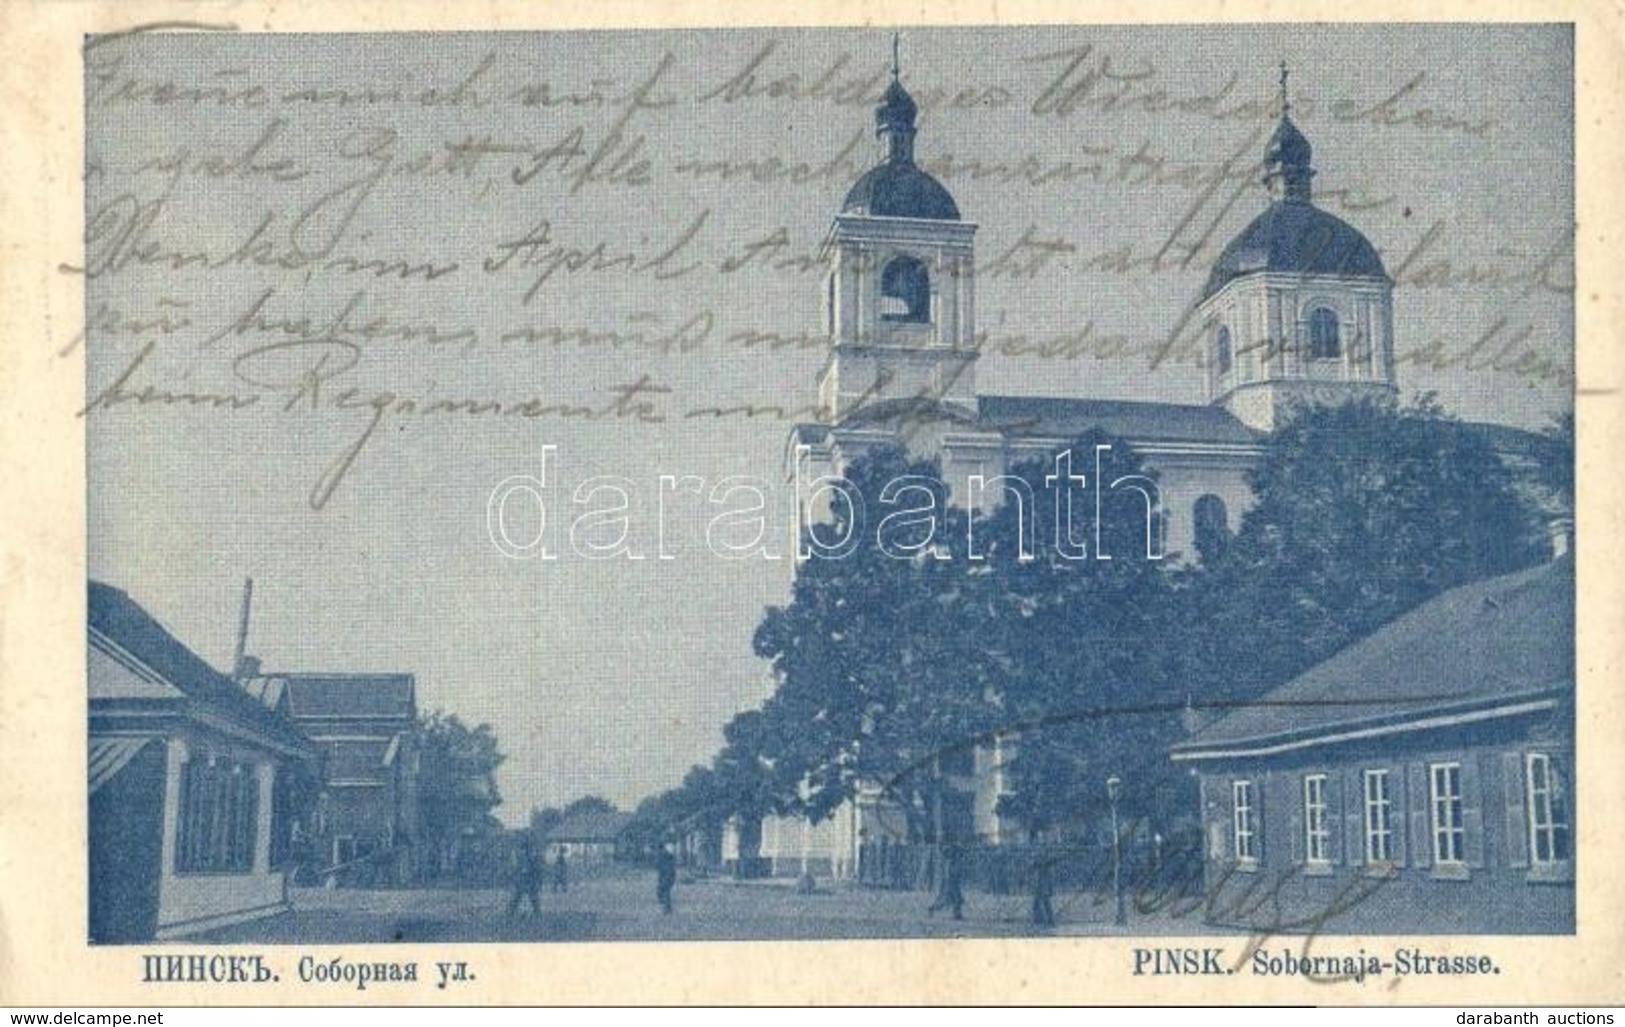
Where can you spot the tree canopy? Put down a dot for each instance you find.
(1362, 511)
(456, 787)
(918, 633)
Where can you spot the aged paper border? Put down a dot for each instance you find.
(44, 957)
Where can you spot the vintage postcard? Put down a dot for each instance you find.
(836, 512)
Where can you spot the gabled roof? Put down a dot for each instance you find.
(1129, 420)
(123, 622)
(590, 827)
(336, 696)
(1495, 644)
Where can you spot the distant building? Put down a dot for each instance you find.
(1422, 778)
(362, 827)
(590, 837)
(183, 780)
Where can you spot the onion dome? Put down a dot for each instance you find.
(897, 188)
(1293, 235)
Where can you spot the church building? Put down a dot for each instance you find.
(1297, 309)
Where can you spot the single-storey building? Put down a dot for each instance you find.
(182, 775)
(1419, 781)
(588, 837)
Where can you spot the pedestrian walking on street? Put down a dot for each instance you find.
(560, 873)
(951, 894)
(665, 877)
(527, 878)
(1043, 891)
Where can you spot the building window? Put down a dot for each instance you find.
(1379, 818)
(1317, 835)
(905, 291)
(1548, 811)
(1449, 830)
(219, 817)
(1221, 349)
(1323, 334)
(1246, 821)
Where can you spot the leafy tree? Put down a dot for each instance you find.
(1076, 629)
(1555, 464)
(878, 661)
(589, 804)
(456, 787)
(1363, 510)
(543, 819)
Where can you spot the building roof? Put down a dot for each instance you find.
(590, 827)
(900, 190)
(109, 755)
(337, 696)
(897, 188)
(120, 619)
(1287, 146)
(1129, 420)
(1493, 643)
(1296, 237)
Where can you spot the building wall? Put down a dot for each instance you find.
(190, 902)
(828, 847)
(126, 849)
(379, 815)
(365, 813)
(1494, 890)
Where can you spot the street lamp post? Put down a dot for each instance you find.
(1114, 785)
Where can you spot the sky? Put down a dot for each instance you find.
(288, 233)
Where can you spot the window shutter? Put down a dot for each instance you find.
(1261, 787)
(1416, 778)
(1512, 787)
(1351, 801)
(1397, 842)
(185, 831)
(1300, 821)
(1472, 811)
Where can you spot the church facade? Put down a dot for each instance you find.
(1297, 309)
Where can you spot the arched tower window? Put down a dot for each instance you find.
(1324, 343)
(905, 291)
(1221, 349)
(1211, 523)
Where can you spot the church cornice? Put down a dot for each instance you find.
(916, 231)
(1297, 280)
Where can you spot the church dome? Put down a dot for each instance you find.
(1296, 238)
(895, 190)
(1293, 236)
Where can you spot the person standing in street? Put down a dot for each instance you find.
(527, 878)
(665, 877)
(560, 873)
(951, 894)
(1043, 890)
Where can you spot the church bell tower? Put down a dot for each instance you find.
(1298, 309)
(899, 302)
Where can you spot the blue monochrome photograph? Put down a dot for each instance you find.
(887, 482)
